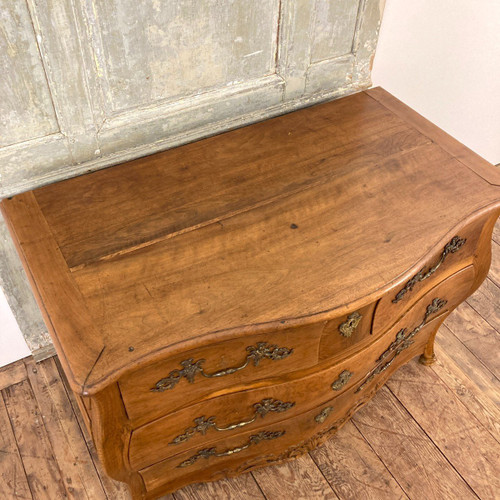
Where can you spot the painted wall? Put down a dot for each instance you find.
(89, 83)
(12, 343)
(443, 59)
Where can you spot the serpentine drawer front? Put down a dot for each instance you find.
(251, 408)
(230, 303)
(273, 442)
(173, 383)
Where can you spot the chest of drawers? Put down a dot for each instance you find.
(231, 303)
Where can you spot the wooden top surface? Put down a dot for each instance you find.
(301, 216)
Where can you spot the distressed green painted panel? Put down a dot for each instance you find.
(158, 50)
(26, 110)
(334, 28)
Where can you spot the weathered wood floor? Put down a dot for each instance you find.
(430, 433)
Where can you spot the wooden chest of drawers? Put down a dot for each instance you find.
(231, 303)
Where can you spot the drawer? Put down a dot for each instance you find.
(273, 441)
(343, 332)
(456, 254)
(166, 386)
(160, 388)
(250, 407)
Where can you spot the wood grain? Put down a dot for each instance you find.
(71, 454)
(150, 442)
(200, 183)
(13, 481)
(353, 469)
(239, 488)
(427, 398)
(485, 302)
(42, 470)
(348, 462)
(302, 343)
(12, 374)
(275, 233)
(447, 142)
(73, 320)
(496, 230)
(288, 195)
(267, 259)
(495, 272)
(414, 461)
(300, 479)
(477, 335)
(469, 364)
(465, 389)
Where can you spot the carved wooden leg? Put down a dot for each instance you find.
(428, 357)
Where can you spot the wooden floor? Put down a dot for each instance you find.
(430, 433)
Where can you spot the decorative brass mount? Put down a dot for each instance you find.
(402, 342)
(190, 368)
(453, 246)
(342, 380)
(262, 408)
(347, 327)
(323, 414)
(212, 452)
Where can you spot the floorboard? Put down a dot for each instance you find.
(430, 433)
(429, 400)
(412, 458)
(12, 374)
(485, 302)
(299, 479)
(354, 470)
(13, 480)
(42, 470)
(477, 335)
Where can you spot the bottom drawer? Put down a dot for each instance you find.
(279, 441)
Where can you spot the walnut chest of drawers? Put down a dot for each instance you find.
(230, 303)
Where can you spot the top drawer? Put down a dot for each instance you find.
(456, 254)
(209, 371)
(192, 376)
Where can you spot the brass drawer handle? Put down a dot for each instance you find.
(453, 246)
(190, 368)
(262, 408)
(212, 452)
(342, 380)
(347, 327)
(401, 342)
(323, 414)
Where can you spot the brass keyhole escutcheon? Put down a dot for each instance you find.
(350, 324)
(342, 380)
(323, 414)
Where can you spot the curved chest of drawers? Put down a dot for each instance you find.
(231, 303)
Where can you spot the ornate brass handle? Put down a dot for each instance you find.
(347, 327)
(202, 424)
(212, 452)
(401, 342)
(453, 246)
(342, 380)
(190, 368)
